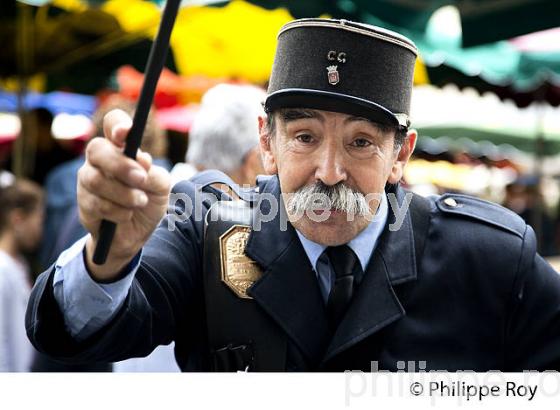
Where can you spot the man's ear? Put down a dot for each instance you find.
(267, 147)
(402, 157)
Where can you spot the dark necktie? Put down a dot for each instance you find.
(344, 263)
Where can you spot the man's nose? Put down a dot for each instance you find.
(331, 168)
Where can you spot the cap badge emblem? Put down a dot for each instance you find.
(333, 75)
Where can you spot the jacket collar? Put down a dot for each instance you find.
(289, 292)
(397, 242)
(375, 303)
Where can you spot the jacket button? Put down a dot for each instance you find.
(450, 202)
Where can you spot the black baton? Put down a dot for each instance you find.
(156, 60)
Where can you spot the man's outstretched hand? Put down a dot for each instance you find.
(133, 194)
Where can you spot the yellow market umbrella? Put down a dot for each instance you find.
(236, 41)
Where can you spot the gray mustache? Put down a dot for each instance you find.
(339, 197)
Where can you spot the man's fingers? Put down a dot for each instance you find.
(93, 208)
(144, 159)
(116, 125)
(103, 155)
(111, 189)
(158, 182)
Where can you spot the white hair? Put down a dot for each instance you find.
(226, 127)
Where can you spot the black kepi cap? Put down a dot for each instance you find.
(343, 66)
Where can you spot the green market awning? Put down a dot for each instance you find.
(450, 112)
(524, 69)
(483, 21)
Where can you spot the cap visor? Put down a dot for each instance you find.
(329, 101)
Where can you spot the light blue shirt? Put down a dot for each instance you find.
(87, 305)
(362, 245)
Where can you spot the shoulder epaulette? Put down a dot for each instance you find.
(482, 211)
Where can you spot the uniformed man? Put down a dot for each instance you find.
(346, 284)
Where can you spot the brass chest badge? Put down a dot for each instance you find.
(239, 272)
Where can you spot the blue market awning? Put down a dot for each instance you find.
(56, 102)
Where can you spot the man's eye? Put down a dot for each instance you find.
(361, 143)
(305, 138)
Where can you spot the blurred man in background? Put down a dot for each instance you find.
(225, 135)
(524, 197)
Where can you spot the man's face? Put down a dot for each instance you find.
(311, 147)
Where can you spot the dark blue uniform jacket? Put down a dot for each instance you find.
(476, 296)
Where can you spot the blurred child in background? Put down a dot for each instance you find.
(21, 223)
